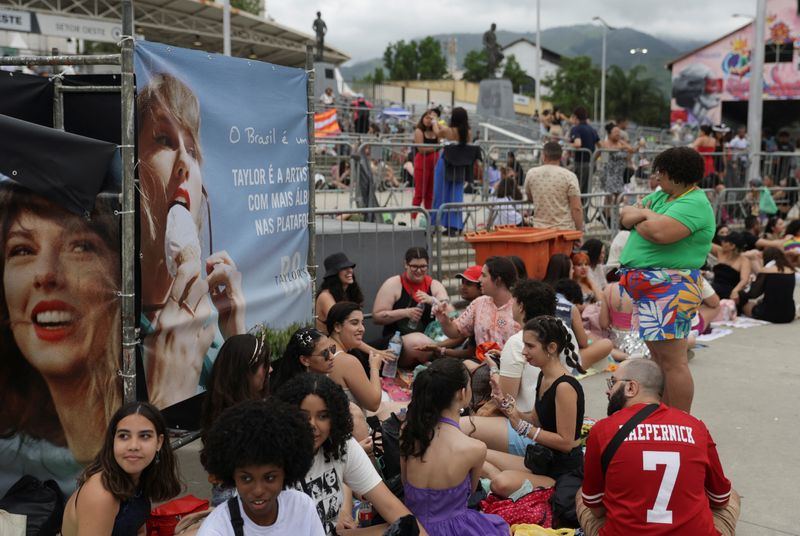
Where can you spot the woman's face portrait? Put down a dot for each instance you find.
(352, 329)
(57, 280)
(170, 173)
(347, 276)
(581, 269)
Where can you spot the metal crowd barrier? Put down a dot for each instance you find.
(735, 204)
(371, 229)
(452, 220)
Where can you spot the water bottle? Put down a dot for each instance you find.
(412, 324)
(395, 346)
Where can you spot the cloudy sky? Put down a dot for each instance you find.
(363, 28)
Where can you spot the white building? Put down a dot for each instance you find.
(524, 51)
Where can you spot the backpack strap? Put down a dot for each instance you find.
(622, 433)
(236, 516)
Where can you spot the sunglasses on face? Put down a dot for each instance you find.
(327, 354)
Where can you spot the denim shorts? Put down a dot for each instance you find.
(517, 444)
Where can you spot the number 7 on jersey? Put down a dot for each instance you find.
(651, 459)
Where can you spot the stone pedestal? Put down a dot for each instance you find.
(496, 98)
(324, 77)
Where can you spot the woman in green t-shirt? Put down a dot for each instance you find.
(671, 234)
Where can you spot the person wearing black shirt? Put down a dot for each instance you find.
(583, 136)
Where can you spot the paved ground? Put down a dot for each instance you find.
(747, 390)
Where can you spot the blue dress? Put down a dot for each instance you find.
(444, 512)
(446, 192)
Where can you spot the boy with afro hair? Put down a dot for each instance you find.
(263, 447)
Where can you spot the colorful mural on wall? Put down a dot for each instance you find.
(720, 72)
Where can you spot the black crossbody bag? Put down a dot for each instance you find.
(236, 516)
(623, 432)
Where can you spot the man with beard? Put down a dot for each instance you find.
(665, 477)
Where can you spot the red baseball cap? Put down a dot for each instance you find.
(472, 274)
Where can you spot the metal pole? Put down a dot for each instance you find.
(311, 261)
(536, 64)
(58, 103)
(755, 101)
(226, 27)
(127, 294)
(603, 81)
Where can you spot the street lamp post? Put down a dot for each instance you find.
(755, 101)
(537, 59)
(606, 27)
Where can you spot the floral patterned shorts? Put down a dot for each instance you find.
(665, 301)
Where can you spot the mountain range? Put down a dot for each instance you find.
(576, 40)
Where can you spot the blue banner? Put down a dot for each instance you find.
(223, 174)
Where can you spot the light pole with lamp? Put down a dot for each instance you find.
(606, 28)
(638, 52)
(755, 101)
(537, 60)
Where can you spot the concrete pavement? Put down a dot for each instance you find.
(747, 391)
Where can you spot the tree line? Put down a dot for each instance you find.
(630, 93)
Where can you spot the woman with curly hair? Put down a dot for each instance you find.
(239, 373)
(432, 438)
(670, 238)
(243, 450)
(338, 459)
(135, 465)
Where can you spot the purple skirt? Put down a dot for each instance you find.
(444, 512)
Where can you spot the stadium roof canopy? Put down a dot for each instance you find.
(193, 24)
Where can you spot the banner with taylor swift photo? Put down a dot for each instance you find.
(59, 303)
(223, 172)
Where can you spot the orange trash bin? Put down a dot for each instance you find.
(530, 244)
(564, 242)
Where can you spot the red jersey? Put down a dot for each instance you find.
(663, 478)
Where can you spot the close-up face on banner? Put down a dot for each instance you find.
(59, 305)
(222, 166)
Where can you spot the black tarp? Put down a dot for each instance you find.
(94, 115)
(68, 169)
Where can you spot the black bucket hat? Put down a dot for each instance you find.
(336, 262)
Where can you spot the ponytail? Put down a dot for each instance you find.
(433, 392)
(550, 329)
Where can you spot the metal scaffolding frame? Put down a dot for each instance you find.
(127, 293)
(183, 22)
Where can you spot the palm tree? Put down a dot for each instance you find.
(635, 97)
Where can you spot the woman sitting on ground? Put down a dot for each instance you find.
(404, 303)
(243, 450)
(440, 465)
(345, 324)
(338, 461)
(776, 281)
(507, 191)
(592, 350)
(308, 350)
(240, 373)
(596, 251)
(339, 284)
(532, 299)
(557, 418)
(580, 273)
(732, 271)
(789, 243)
(135, 466)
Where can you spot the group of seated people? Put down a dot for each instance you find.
(495, 408)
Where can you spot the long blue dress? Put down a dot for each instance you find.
(446, 192)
